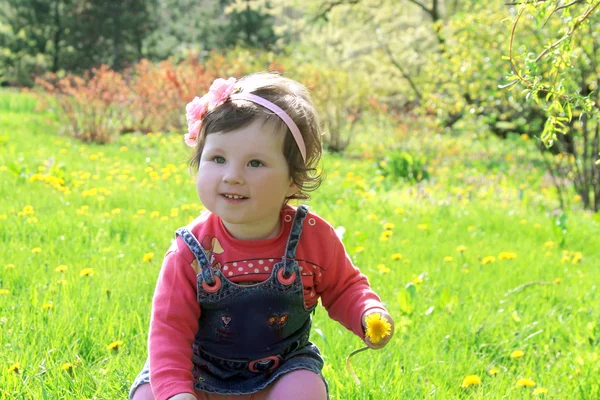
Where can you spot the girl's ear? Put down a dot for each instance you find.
(292, 190)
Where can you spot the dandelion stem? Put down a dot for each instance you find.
(349, 366)
(523, 286)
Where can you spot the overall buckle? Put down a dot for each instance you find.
(264, 364)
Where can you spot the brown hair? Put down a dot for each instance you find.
(295, 100)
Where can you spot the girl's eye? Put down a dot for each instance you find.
(255, 163)
(219, 160)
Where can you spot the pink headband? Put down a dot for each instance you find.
(219, 92)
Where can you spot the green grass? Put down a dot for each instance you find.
(118, 202)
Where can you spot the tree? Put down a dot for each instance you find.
(560, 72)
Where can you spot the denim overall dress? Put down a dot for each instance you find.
(249, 335)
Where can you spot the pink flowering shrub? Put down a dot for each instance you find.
(91, 108)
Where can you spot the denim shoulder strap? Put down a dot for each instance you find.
(196, 248)
(294, 238)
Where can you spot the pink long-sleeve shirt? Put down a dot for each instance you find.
(327, 273)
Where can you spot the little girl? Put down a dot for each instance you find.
(231, 313)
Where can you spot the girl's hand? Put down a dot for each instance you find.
(183, 396)
(379, 328)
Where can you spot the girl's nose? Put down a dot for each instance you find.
(233, 176)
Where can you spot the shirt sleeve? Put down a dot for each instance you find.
(345, 292)
(173, 326)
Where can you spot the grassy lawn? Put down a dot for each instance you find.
(472, 263)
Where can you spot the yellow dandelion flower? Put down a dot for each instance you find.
(417, 280)
(493, 371)
(4, 291)
(399, 210)
(61, 282)
(358, 249)
(67, 367)
(517, 354)
(470, 380)
(396, 256)
(116, 211)
(505, 255)
(422, 227)
(549, 244)
(488, 260)
(389, 226)
(470, 228)
(377, 327)
(525, 382)
(47, 306)
(154, 214)
(15, 368)
(539, 391)
(148, 257)
(36, 250)
(86, 272)
(383, 269)
(61, 268)
(448, 259)
(9, 266)
(114, 345)
(461, 248)
(557, 281)
(577, 257)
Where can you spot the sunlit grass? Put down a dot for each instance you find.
(488, 292)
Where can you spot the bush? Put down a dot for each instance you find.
(403, 165)
(92, 108)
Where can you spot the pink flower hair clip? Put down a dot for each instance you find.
(219, 92)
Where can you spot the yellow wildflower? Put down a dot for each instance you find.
(67, 367)
(358, 249)
(396, 256)
(505, 255)
(47, 306)
(525, 382)
(383, 269)
(86, 272)
(61, 268)
(461, 248)
(539, 391)
(488, 260)
(36, 250)
(4, 291)
(448, 259)
(422, 227)
(148, 257)
(15, 368)
(549, 244)
(493, 371)
(517, 354)
(9, 266)
(114, 345)
(471, 380)
(388, 226)
(377, 327)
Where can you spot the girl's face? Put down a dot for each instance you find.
(243, 177)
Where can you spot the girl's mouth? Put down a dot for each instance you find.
(233, 196)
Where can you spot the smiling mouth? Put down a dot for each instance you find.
(233, 196)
